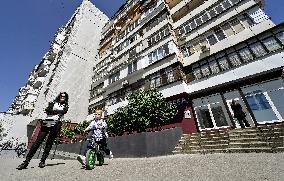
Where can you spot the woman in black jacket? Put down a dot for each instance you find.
(51, 125)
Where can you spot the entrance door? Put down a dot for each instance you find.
(211, 113)
(235, 95)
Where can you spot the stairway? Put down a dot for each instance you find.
(264, 138)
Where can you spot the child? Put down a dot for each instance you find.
(96, 129)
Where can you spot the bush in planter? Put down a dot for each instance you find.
(145, 109)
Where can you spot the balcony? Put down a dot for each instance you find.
(26, 107)
(42, 72)
(164, 79)
(38, 82)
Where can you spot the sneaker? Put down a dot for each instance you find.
(110, 155)
(81, 159)
(24, 165)
(41, 164)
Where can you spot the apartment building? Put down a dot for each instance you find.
(200, 54)
(66, 67)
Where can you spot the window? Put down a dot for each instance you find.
(280, 36)
(187, 28)
(197, 73)
(226, 4)
(234, 59)
(212, 39)
(245, 54)
(219, 9)
(132, 67)
(234, 1)
(198, 21)
(236, 24)
(205, 17)
(193, 25)
(271, 44)
(223, 62)
(258, 49)
(114, 78)
(212, 13)
(220, 34)
(246, 20)
(228, 29)
(214, 67)
(205, 69)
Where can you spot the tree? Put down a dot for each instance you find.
(145, 109)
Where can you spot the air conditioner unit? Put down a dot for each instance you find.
(205, 48)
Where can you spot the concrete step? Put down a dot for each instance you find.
(249, 145)
(215, 146)
(249, 150)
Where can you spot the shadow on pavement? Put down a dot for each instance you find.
(53, 164)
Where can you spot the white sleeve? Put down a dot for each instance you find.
(91, 125)
(104, 124)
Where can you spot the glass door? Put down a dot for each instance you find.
(211, 113)
(235, 95)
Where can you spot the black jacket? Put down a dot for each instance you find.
(49, 110)
(238, 112)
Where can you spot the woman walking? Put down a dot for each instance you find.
(51, 125)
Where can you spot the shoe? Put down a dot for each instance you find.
(81, 159)
(110, 155)
(24, 165)
(41, 164)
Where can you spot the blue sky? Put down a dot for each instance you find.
(27, 26)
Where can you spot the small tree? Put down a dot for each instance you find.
(2, 132)
(145, 109)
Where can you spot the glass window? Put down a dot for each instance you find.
(219, 9)
(150, 58)
(198, 21)
(212, 39)
(205, 70)
(204, 117)
(185, 52)
(271, 44)
(280, 36)
(181, 31)
(251, 102)
(187, 28)
(197, 73)
(205, 17)
(263, 102)
(236, 24)
(226, 4)
(212, 13)
(220, 34)
(228, 29)
(234, 59)
(257, 49)
(245, 54)
(246, 20)
(223, 62)
(214, 67)
(234, 1)
(166, 49)
(160, 53)
(193, 25)
(129, 68)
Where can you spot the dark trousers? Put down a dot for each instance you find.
(87, 144)
(243, 122)
(53, 131)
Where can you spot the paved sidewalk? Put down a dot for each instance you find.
(211, 167)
